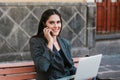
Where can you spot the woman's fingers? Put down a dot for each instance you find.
(47, 30)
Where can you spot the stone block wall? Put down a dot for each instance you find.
(19, 21)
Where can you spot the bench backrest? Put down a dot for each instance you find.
(21, 70)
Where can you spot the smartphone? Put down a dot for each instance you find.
(51, 33)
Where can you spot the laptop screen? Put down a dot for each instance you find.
(88, 67)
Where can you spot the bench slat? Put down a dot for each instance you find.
(17, 70)
(21, 70)
(76, 60)
(19, 77)
(17, 64)
(27, 63)
(76, 65)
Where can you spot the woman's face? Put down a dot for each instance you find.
(54, 24)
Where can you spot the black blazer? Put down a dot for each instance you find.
(49, 64)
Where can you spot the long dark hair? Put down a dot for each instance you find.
(45, 16)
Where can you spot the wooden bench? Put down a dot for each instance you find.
(21, 70)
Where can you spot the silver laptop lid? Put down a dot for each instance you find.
(88, 67)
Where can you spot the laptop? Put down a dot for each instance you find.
(87, 68)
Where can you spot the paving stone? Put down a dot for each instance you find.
(110, 67)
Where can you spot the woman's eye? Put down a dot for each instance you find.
(58, 21)
(51, 22)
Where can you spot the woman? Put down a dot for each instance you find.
(51, 53)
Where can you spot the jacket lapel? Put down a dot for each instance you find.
(63, 48)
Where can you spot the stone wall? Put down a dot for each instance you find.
(19, 21)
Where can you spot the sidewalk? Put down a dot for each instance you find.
(110, 67)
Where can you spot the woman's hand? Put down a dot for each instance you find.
(48, 36)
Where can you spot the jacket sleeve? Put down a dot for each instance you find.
(42, 56)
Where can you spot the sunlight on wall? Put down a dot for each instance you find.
(42, 0)
(90, 0)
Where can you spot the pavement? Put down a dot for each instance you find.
(110, 67)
